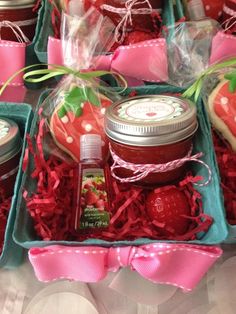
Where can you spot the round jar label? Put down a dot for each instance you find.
(149, 109)
(4, 128)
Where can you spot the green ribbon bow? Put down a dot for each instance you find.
(75, 97)
(196, 87)
(41, 75)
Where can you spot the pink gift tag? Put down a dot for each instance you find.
(12, 59)
(223, 47)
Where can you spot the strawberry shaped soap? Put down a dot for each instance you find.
(168, 206)
(81, 111)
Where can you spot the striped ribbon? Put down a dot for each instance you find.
(141, 171)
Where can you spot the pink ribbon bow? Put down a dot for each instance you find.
(180, 265)
(145, 61)
(223, 47)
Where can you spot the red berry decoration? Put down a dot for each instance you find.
(81, 112)
(138, 36)
(167, 206)
(213, 8)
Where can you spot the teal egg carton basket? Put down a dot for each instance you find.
(25, 235)
(12, 254)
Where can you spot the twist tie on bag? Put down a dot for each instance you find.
(41, 75)
(141, 171)
(195, 89)
(127, 18)
(15, 27)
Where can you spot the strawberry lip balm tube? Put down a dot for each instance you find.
(153, 129)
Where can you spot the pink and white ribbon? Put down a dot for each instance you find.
(223, 47)
(141, 171)
(153, 68)
(127, 13)
(10, 50)
(162, 263)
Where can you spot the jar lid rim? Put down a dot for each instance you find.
(178, 119)
(11, 142)
(14, 3)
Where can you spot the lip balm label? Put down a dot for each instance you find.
(149, 109)
(94, 201)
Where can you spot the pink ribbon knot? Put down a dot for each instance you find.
(162, 263)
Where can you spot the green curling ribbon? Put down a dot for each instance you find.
(41, 75)
(195, 89)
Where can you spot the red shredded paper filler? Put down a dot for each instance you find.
(51, 204)
(226, 159)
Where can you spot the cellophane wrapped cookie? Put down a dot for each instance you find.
(218, 87)
(77, 105)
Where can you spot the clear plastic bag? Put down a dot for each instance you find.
(189, 50)
(77, 105)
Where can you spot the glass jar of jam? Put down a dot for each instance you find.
(10, 152)
(19, 12)
(151, 130)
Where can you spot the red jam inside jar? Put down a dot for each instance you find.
(153, 129)
(10, 152)
(140, 22)
(21, 13)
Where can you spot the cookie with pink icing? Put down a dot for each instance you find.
(222, 111)
(80, 113)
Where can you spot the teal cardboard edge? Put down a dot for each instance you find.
(12, 254)
(212, 196)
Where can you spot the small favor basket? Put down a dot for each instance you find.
(66, 254)
(12, 254)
